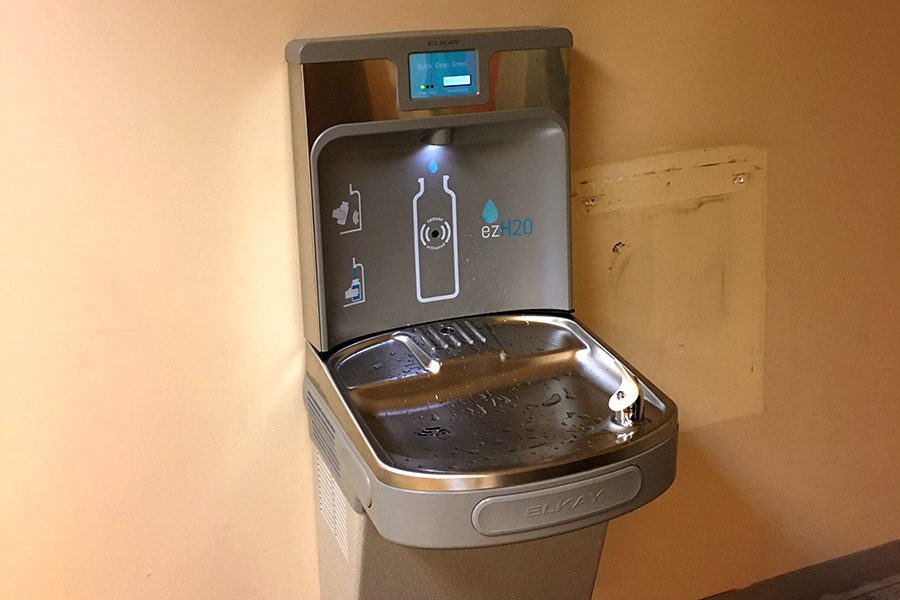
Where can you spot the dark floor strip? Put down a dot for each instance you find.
(872, 574)
(886, 589)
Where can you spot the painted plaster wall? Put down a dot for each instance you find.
(815, 84)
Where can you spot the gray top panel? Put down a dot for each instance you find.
(397, 45)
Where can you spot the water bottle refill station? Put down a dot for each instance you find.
(472, 438)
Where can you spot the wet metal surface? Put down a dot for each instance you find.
(499, 394)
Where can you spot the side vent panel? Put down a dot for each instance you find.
(323, 434)
(332, 506)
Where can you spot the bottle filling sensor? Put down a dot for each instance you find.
(472, 438)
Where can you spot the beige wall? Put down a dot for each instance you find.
(151, 438)
(817, 85)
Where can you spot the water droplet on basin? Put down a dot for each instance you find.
(432, 167)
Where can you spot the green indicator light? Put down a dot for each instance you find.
(421, 87)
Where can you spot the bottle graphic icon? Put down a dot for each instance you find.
(435, 242)
(356, 293)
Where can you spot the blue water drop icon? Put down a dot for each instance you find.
(489, 214)
(432, 167)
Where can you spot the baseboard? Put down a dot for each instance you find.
(830, 577)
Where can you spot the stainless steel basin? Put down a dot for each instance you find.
(494, 400)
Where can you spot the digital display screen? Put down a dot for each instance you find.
(443, 74)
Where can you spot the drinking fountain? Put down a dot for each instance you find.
(472, 438)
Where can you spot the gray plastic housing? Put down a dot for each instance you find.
(487, 430)
(358, 136)
(410, 232)
(488, 517)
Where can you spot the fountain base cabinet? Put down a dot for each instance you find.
(357, 563)
(472, 437)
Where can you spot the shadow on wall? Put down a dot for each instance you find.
(585, 76)
(703, 506)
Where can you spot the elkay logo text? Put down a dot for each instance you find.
(443, 42)
(570, 503)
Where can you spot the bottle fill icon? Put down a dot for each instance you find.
(435, 239)
(356, 293)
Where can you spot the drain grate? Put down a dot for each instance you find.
(433, 431)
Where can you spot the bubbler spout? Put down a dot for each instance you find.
(626, 402)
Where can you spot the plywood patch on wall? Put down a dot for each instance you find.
(668, 267)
